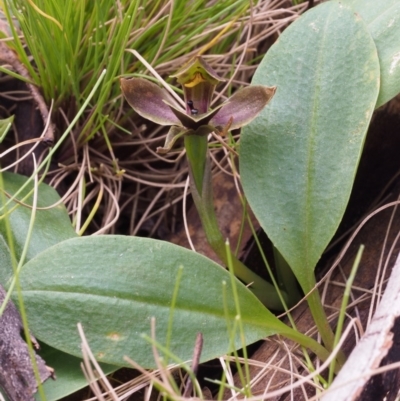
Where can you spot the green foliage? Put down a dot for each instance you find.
(298, 161)
(299, 158)
(113, 285)
(383, 21)
(52, 224)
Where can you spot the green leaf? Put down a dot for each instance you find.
(383, 20)
(51, 225)
(68, 371)
(298, 159)
(113, 285)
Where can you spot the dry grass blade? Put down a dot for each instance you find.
(93, 371)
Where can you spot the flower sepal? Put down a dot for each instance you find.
(149, 101)
(198, 80)
(243, 106)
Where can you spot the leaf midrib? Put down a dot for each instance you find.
(207, 311)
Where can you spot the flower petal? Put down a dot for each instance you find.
(147, 99)
(243, 106)
(191, 121)
(173, 135)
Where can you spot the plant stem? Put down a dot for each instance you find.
(307, 342)
(200, 183)
(321, 320)
(345, 301)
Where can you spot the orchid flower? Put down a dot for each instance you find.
(194, 123)
(199, 81)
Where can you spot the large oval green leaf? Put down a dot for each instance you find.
(113, 285)
(383, 20)
(52, 224)
(298, 159)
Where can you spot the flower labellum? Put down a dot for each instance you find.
(199, 81)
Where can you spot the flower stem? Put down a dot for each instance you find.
(201, 189)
